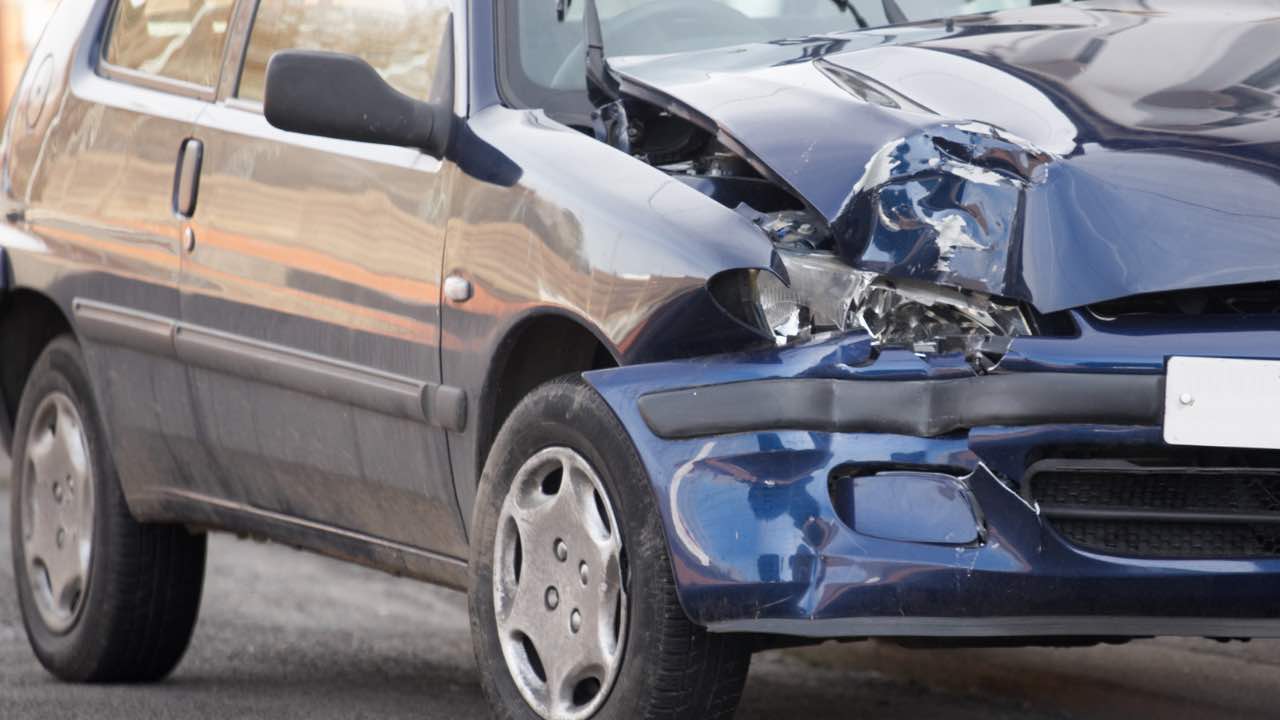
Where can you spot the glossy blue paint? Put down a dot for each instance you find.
(908, 505)
(1050, 154)
(759, 545)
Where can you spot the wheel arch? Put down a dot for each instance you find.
(29, 320)
(553, 342)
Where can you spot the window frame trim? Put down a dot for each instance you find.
(241, 29)
(152, 81)
(507, 95)
(233, 62)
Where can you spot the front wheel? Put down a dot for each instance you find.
(574, 612)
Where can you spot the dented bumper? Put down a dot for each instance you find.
(826, 490)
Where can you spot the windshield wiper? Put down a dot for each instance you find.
(848, 7)
(893, 12)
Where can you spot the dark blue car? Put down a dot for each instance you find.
(669, 330)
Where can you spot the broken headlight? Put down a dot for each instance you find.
(823, 294)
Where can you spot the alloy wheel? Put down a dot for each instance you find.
(559, 586)
(57, 511)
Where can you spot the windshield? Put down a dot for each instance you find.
(541, 56)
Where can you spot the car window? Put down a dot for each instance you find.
(400, 38)
(176, 39)
(540, 55)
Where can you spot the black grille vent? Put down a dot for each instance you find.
(1121, 508)
(1253, 299)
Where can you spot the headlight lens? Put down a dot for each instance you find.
(932, 319)
(824, 295)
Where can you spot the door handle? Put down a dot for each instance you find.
(186, 181)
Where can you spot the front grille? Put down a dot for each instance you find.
(1252, 299)
(1171, 541)
(1122, 508)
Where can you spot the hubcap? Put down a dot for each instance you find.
(57, 511)
(559, 586)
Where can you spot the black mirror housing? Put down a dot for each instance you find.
(343, 97)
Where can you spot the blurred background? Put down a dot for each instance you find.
(20, 24)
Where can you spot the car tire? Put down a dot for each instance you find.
(563, 444)
(128, 592)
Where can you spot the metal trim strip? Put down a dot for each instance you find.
(114, 325)
(199, 510)
(158, 83)
(1047, 626)
(304, 372)
(313, 525)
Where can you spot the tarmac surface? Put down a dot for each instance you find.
(285, 634)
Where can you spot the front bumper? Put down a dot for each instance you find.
(745, 453)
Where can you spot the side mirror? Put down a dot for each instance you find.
(341, 96)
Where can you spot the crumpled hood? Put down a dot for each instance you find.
(1061, 155)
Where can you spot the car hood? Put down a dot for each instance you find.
(1060, 155)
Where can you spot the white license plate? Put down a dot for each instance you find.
(1218, 402)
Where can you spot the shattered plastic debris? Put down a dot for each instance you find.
(894, 312)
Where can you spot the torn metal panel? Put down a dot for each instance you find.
(1008, 154)
(943, 205)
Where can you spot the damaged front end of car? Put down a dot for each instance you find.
(945, 202)
(943, 431)
(833, 489)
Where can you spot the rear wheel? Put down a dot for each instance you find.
(573, 607)
(103, 597)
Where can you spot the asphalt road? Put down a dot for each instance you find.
(285, 634)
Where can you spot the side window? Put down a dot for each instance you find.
(400, 38)
(176, 39)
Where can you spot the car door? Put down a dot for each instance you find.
(102, 196)
(310, 292)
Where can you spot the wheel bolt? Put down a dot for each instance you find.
(562, 550)
(584, 573)
(553, 598)
(575, 621)
(62, 537)
(57, 491)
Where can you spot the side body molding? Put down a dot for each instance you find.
(368, 388)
